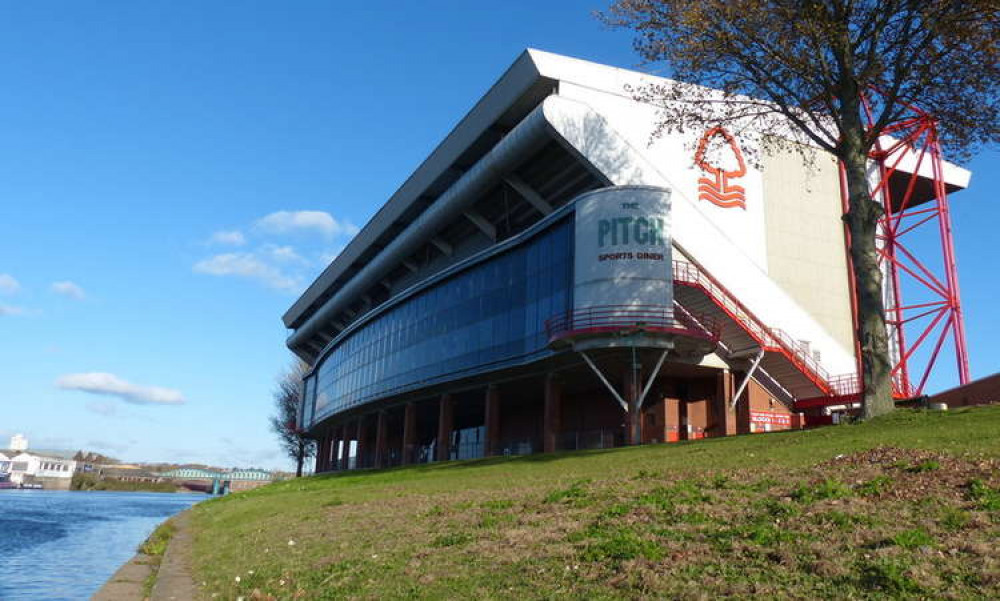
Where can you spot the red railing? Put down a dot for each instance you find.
(617, 319)
(850, 384)
(769, 339)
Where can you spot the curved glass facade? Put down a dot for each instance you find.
(489, 314)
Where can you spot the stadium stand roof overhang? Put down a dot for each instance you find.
(382, 251)
(517, 92)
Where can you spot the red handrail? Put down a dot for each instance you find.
(769, 338)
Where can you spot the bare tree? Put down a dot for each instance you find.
(788, 68)
(287, 401)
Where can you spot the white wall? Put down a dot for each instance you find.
(740, 266)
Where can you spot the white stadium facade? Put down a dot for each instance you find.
(553, 277)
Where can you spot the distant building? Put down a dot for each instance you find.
(4, 468)
(125, 473)
(18, 443)
(247, 479)
(49, 470)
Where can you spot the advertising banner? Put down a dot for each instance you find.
(623, 256)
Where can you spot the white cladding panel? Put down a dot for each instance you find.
(623, 255)
(693, 231)
(674, 158)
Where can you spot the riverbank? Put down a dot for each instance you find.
(908, 505)
(88, 482)
(159, 571)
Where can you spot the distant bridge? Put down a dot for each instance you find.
(217, 482)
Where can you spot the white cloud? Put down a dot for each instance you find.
(111, 385)
(283, 254)
(69, 289)
(8, 285)
(282, 222)
(229, 237)
(10, 310)
(247, 265)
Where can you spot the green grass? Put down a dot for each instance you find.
(798, 514)
(155, 546)
(985, 496)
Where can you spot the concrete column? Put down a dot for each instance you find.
(632, 387)
(492, 421)
(381, 442)
(409, 433)
(360, 460)
(446, 422)
(345, 448)
(334, 454)
(552, 419)
(724, 417)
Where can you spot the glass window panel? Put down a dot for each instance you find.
(493, 312)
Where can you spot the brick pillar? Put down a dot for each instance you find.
(381, 442)
(409, 433)
(345, 449)
(742, 408)
(724, 417)
(320, 447)
(492, 421)
(672, 419)
(685, 431)
(323, 458)
(360, 460)
(446, 422)
(552, 419)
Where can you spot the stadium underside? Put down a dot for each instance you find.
(555, 404)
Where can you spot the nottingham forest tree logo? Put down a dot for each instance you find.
(720, 158)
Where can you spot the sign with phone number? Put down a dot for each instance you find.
(775, 419)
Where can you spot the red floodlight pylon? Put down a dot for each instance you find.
(907, 179)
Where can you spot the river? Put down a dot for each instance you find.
(65, 545)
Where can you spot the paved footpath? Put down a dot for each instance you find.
(173, 580)
(126, 584)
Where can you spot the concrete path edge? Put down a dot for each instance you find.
(173, 579)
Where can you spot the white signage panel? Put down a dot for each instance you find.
(623, 256)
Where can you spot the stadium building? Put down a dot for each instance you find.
(554, 277)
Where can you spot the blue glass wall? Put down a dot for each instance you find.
(308, 394)
(489, 315)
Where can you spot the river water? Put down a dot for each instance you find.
(64, 545)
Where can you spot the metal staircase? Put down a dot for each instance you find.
(787, 361)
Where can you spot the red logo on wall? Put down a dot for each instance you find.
(716, 189)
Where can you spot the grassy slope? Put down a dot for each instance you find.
(763, 514)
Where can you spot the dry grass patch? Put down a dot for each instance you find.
(736, 517)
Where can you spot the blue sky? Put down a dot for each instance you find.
(171, 173)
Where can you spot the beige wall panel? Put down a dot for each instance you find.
(805, 238)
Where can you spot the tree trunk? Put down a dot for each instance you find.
(862, 220)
